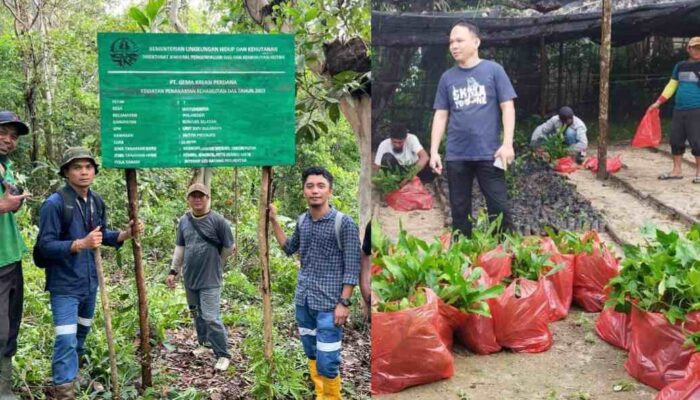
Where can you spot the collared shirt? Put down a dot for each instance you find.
(70, 273)
(12, 246)
(325, 268)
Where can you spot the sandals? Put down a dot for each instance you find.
(667, 176)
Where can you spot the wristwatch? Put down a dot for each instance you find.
(345, 302)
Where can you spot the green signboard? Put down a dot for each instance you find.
(192, 100)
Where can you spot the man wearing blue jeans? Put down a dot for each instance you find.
(472, 96)
(329, 246)
(574, 132)
(204, 241)
(67, 247)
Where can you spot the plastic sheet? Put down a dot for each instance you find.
(412, 196)
(687, 388)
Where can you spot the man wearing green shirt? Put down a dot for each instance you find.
(11, 250)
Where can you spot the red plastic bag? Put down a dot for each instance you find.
(560, 293)
(592, 273)
(687, 388)
(657, 355)
(615, 328)
(649, 130)
(407, 348)
(412, 196)
(565, 165)
(613, 164)
(473, 331)
(496, 263)
(521, 322)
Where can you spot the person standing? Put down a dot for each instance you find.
(329, 245)
(72, 223)
(204, 242)
(12, 248)
(470, 99)
(685, 125)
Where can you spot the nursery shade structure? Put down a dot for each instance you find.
(678, 19)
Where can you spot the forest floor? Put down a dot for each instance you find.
(579, 365)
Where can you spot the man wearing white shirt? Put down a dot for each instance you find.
(401, 151)
(574, 132)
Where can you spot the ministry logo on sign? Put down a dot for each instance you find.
(124, 52)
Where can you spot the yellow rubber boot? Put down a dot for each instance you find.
(331, 388)
(316, 379)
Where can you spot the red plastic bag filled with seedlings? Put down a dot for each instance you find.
(649, 130)
(592, 271)
(496, 263)
(615, 328)
(520, 316)
(613, 164)
(657, 355)
(412, 196)
(687, 388)
(560, 294)
(407, 347)
(565, 165)
(473, 331)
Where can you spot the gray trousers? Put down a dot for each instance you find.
(204, 304)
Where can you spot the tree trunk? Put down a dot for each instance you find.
(604, 90)
(358, 112)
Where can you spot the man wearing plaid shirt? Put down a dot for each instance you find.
(329, 245)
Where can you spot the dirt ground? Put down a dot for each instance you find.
(579, 365)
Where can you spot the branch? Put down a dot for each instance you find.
(14, 12)
(174, 19)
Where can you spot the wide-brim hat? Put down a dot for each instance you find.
(77, 153)
(10, 118)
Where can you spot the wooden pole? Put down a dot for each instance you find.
(560, 73)
(133, 195)
(604, 90)
(236, 217)
(543, 77)
(108, 324)
(265, 264)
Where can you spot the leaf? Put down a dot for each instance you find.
(334, 113)
(140, 18)
(153, 8)
(311, 14)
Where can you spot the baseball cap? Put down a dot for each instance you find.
(10, 118)
(198, 187)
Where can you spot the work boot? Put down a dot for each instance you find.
(316, 379)
(331, 388)
(6, 379)
(64, 392)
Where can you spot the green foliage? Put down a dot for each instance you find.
(555, 146)
(148, 18)
(662, 276)
(414, 263)
(529, 260)
(387, 180)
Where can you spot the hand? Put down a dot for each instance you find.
(506, 154)
(10, 202)
(170, 281)
(436, 163)
(93, 240)
(341, 314)
(129, 229)
(272, 212)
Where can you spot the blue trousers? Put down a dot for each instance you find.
(72, 318)
(321, 338)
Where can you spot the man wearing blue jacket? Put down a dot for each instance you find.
(66, 243)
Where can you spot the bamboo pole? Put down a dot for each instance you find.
(108, 324)
(133, 195)
(604, 90)
(265, 264)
